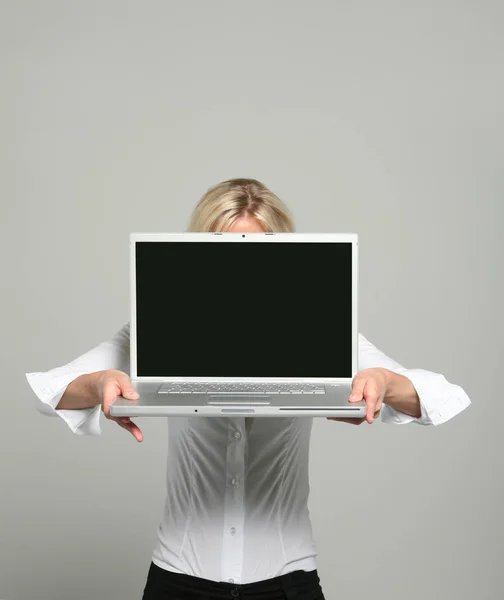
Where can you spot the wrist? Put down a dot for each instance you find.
(94, 387)
(388, 378)
(82, 392)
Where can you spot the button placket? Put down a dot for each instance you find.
(232, 555)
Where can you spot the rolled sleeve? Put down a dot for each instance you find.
(49, 386)
(440, 400)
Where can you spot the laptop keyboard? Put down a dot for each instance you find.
(241, 388)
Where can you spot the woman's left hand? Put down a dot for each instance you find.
(370, 385)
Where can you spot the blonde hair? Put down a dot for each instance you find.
(226, 202)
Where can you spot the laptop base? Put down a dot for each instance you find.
(334, 403)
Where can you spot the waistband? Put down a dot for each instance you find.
(286, 585)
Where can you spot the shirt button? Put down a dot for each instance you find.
(231, 580)
(234, 482)
(232, 531)
(237, 435)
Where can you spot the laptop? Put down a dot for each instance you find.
(248, 324)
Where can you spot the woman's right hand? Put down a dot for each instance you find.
(110, 384)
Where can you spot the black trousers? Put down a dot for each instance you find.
(165, 585)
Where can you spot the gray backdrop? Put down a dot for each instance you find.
(383, 118)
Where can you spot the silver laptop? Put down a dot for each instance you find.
(250, 324)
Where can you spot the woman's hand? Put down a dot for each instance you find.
(110, 384)
(370, 385)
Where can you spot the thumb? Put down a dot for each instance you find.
(358, 388)
(126, 387)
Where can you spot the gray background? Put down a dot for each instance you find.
(384, 118)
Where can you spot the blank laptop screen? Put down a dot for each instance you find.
(244, 309)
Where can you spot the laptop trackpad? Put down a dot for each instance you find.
(249, 399)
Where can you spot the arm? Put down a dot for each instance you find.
(76, 408)
(438, 399)
(79, 394)
(401, 394)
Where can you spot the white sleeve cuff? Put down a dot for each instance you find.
(49, 389)
(440, 400)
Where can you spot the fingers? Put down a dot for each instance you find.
(117, 386)
(129, 392)
(115, 383)
(364, 388)
(110, 392)
(127, 423)
(347, 420)
(353, 421)
(373, 399)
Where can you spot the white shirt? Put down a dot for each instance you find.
(237, 502)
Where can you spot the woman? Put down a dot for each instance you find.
(236, 521)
